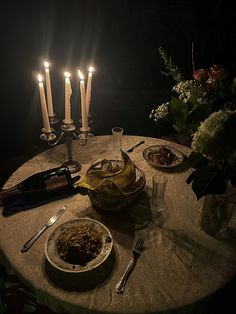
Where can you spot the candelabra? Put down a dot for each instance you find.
(68, 133)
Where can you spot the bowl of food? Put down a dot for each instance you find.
(106, 199)
(163, 157)
(113, 184)
(78, 245)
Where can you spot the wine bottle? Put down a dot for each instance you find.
(45, 181)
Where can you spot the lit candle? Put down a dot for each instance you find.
(46, 123)
(83, 102)
(68, 93)
(49, 90)
(89, 87)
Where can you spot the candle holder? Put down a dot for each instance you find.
(53, 120)
(90, 121)
(68, 133)
(48, 136)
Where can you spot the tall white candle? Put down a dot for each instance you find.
(68, 93)
(89, 88)
(49, 90)
(83, 102)
(46, 123)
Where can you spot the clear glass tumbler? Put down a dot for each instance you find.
(158, 204)
(117, 134)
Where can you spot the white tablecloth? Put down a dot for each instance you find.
(179, 266)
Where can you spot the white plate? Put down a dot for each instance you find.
(51, 250)
(149, 150)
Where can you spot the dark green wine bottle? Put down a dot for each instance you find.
(45, 181)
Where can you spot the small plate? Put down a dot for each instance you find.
(52, 254)
(150, 151)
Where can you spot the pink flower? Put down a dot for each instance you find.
(201, 75)
(217, 72)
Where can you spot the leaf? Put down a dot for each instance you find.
(179, 110)
(208, 179)
(197, 160)
(199, 113)
(191, 177)
(172, 69)
(194, 160)
(233, 179)
(230, 173)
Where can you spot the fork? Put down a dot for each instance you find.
(120, 287)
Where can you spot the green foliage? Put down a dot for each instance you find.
(205, 110)
(208, 179)
(194, 160)
(180, 111)
(208, 90)
(172, 70)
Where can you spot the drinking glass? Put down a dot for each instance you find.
(157, 203)
(117, 134)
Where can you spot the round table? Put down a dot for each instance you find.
(179, 266)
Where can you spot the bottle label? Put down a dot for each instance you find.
(55, 183)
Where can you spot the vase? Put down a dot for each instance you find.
(219, 214)
(184, 137)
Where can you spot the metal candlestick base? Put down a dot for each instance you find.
(53, 120)
(48, 136)
(90, 121)
(69, 132)
(73, 165)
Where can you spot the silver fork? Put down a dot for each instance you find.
(120, 287)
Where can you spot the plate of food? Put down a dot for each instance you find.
(79, 245)
(163, 156)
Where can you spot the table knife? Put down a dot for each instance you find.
(135, 146)
(50, 222)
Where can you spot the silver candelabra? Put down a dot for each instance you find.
(68, 133)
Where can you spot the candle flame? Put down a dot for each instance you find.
(91, 69)
(46, 64)
(81, 76)
(40, 78)
(67, 74)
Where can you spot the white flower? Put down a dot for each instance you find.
(160, 112)
(189, 88)
(216, 136)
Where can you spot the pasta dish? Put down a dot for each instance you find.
(79, 245)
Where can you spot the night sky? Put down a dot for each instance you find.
(121, 39)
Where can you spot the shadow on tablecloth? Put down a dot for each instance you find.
(80, 282)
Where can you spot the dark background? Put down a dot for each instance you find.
(121, 39)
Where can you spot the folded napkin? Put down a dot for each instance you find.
(19, 203)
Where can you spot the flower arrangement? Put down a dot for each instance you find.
(204, 108)
(195, 99)
(214, 154)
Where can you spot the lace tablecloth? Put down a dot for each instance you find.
(180, 264)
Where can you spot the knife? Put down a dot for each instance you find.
(50, 222)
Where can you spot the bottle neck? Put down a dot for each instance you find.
(10, 192)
